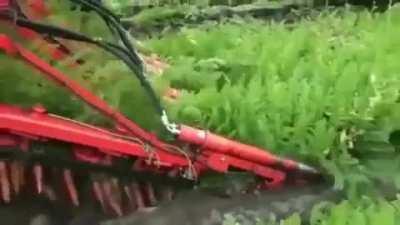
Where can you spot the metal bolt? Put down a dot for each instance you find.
(39, 109)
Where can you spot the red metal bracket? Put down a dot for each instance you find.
(225, 146)
(217, 153)
(44, 126)
(4, 4)
(7, 45)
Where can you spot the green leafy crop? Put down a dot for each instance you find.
(324, 91)
(364, 212)
(100, 72)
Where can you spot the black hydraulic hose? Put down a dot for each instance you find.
(112, 21)
(99, 5)
(54, 31)
(114, 49)
(75, 36)
(110, 18)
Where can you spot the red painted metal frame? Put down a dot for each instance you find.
(14, 49)
(38, 125)
(213, 152)
(37, 9)
(42, 126)
(226, 146)
(4, 4)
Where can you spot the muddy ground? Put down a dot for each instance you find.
(191, 208)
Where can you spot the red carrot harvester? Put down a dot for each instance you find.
(34, 135)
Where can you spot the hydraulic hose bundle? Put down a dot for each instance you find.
(194, 152)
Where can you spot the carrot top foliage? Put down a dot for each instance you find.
(366, 211)
(324, 90)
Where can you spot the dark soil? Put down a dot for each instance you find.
(32, 211)
(199, 208)
(190, 208)
(40, 211)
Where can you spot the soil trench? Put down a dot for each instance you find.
(189, 208)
